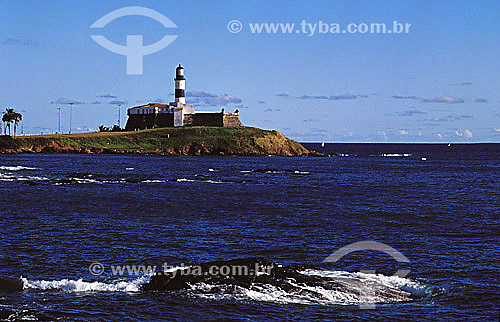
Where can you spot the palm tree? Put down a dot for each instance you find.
(16, 117)
(9, 117)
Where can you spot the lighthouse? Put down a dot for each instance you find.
(180, 85)
(177, 112)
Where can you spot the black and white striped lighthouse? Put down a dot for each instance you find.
(180, 85)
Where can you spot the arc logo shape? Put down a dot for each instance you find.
(134, 50)
(370, 245)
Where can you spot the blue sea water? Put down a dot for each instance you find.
(61, 213)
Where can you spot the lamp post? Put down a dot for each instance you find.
(59, 122)
(70, 115)
(119, 121)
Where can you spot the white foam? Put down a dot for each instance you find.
(6, 177)
(152, 181)
(190, 180)
(184, 180)
(129, 169)
(346, 289)
(34, 178)
(74, 286)
(350, 289)
(15, 168)
(212, 181)
(113, 181)
(84, 180)
(301, 172)
(396, 155)
(10, 177)
(79, 181)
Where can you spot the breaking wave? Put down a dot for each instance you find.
(352, 289)
(295, 284)
(75, 286)
(16, 168)
(396, 155)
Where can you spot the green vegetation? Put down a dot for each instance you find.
(168, 141)
(103, 128)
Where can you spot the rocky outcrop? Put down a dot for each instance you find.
(238, 272)
(243, 141)
(8, 284)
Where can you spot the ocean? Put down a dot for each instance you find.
(68, 222)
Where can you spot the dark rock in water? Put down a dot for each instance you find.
(66, 181)
(6, 314)
(78, 175)
(267, 170)
(242, 272)
(9, 284)
(237, 272)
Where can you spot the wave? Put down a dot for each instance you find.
(207, 180)
(9, 177)
(352, 289)
(279, 284)
(396, 154)
(16, 168)
(76, 286)
(288, 284)
(274, 171)
(184, 180)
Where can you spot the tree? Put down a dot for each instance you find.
(17, 117)
(103, 128)
(9, 117)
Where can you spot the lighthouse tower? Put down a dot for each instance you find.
(180, 85)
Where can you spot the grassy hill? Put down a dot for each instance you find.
(165, 141)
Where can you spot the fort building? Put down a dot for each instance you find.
(177, 113)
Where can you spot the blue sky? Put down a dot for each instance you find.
(439, 83)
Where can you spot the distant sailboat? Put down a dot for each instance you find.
(322, 144)
(449, 144)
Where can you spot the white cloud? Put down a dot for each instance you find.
(63, 100)
(465, 133)
(444, 99)
(382, 134)
(211, 99)
(403, 132)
